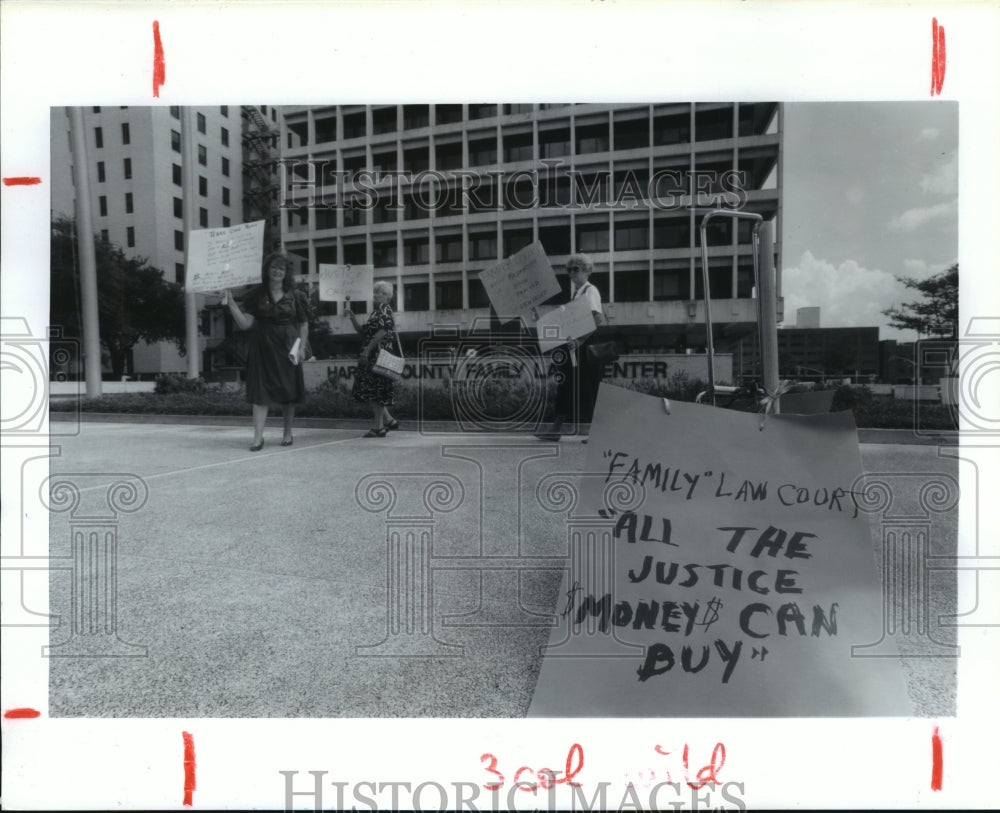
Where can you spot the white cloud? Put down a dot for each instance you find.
(913, 219)
(915, 268)
(848, 295)
(943, 181)
(929, 134)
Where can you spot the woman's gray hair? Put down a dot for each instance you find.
(581, 261)
(383, 287)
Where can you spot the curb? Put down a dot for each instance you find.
(899, 437)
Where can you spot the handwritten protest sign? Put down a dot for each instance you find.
(571, 321)
(225, 258)
(519, 283)
(737, 582)
(346, 283)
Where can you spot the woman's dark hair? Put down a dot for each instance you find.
(270, 259)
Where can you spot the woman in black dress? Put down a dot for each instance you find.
(378, 331)
(277, 315)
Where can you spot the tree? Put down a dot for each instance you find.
(135, 302)
(936, 316)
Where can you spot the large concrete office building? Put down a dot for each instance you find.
(432, 194)
(136, 171)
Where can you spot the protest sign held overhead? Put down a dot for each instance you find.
(568, 322)
(224, 258)
(738, 581)
(346, 283)
(520, 283)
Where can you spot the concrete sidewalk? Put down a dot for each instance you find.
(409, 576)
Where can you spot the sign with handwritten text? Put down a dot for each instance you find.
(225, 258)
(718, 570)
(568, 322)
(519, 283)
(346, 283)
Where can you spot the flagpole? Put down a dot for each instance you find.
(88, 260)
(191, 304)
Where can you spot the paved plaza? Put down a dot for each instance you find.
(412, 576)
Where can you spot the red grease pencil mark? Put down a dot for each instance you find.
(25, 180)
(189, 766)
(21, 714)
(159, 63)
(937, 760)
(938, 58)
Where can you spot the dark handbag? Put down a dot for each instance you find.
(603, 352)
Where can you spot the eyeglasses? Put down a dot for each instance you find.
(572, 268)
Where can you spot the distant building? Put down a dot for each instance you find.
(807, 317)
(814, 354)
(466, 185)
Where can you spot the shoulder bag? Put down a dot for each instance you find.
(388, 365)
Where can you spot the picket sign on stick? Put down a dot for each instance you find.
(346, 283)
(740, 582)
(569, 322)
(224, 258)
(520, 283)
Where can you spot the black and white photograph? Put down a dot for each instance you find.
(605, 435)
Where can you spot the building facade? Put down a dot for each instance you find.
(432, 194)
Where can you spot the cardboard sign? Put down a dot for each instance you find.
(520, 283)
(568, 322)
(346, 283)
(729, 575)
(225, 258)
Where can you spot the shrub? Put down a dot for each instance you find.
(167, 383)
(679, 386)
(848, 397)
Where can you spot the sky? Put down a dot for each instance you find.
(870, 194)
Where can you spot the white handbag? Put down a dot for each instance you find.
(389, 365)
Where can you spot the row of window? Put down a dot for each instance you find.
(669, 284)
(176, 113)
(630, 131)
(126, 170)
(178, 178)
(178, 235)
(99, 135)
(626, 234)
(485, 245)
(202, 216)
(175, 145)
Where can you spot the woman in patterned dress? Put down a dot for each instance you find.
(277, 315)
(378, 332)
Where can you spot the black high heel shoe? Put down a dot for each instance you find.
(256, 447)
(393, 425)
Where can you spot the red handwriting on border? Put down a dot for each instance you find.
(24, 180)
(707, 774)
(547, 778)
(937, 760)
(159, 63)
(21, 714)
(938, 58)
(189, 766)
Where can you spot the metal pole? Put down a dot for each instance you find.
(709, 345)
(766, 294)
(88, 260)
(191, 303)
